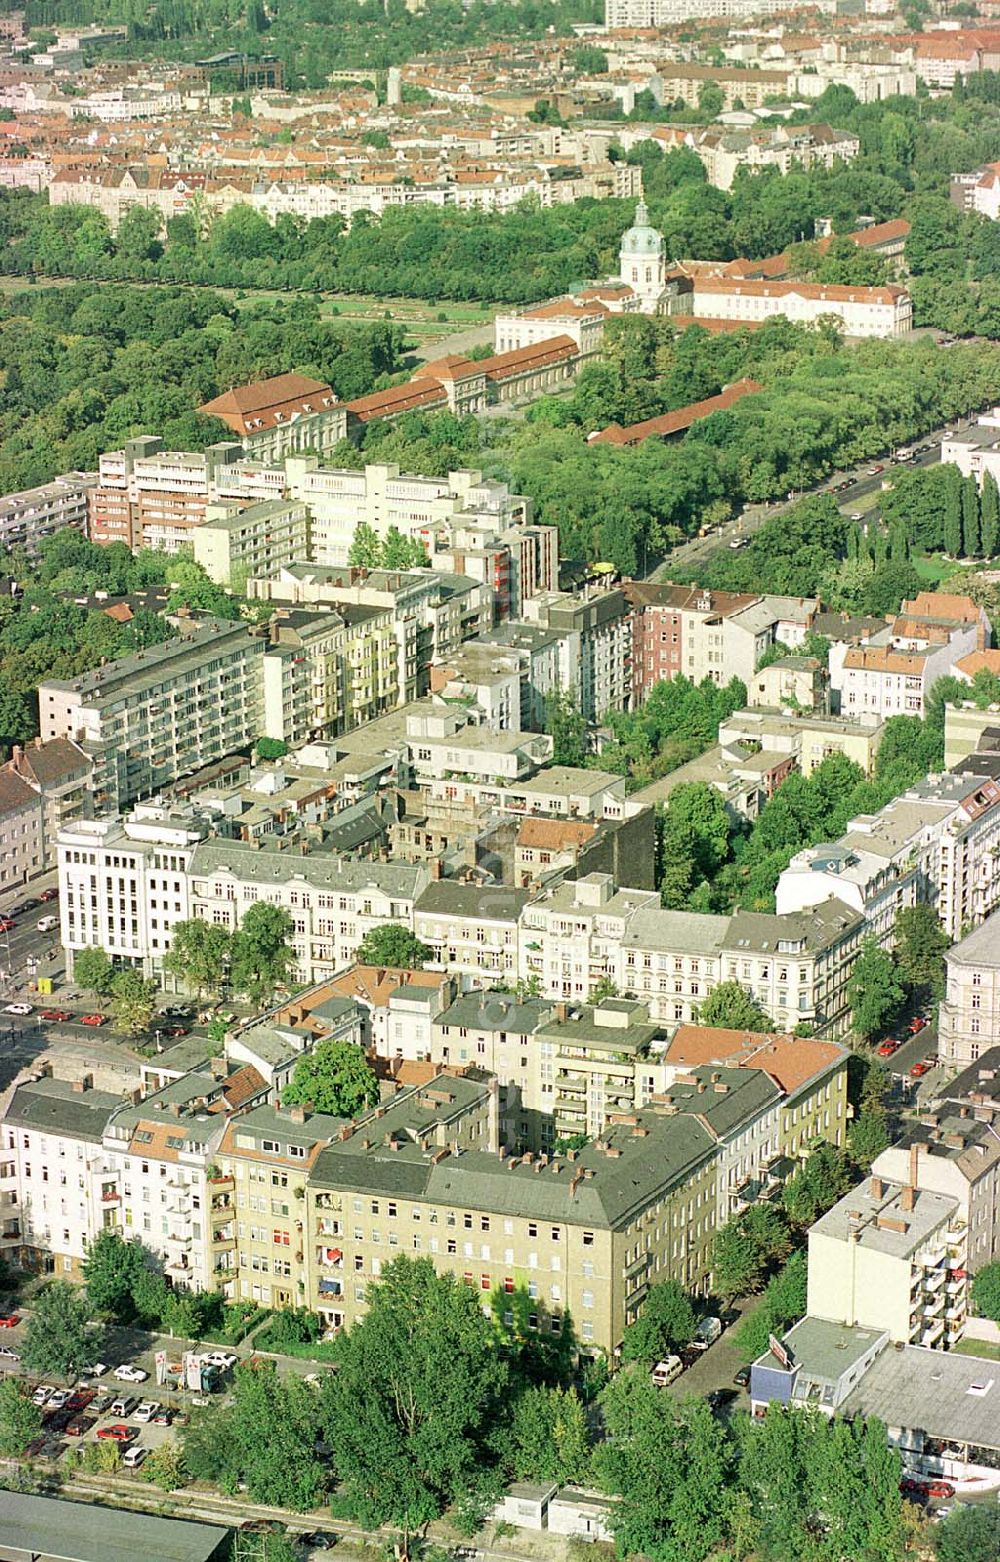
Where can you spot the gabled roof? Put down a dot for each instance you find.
(267, 403)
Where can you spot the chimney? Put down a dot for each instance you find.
(907, 1198)
(914, 1159)
(175, 1109)
(298, 1113)
(878, 1188)
(218, 1067)
(436, 869)
(440, 1155)
(502, 1153)
(562, 1013)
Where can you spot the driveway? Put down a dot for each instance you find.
(715, 1367)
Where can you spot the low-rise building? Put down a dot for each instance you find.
(281, 416)
(893, 1257)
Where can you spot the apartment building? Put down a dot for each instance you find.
(724, 149)
(283, 416)
(928, 639)
(809, 738)
(969, 1015)
(954, 1150)
(333, 901)
(572, 934)
(27, 518)
(585, 1233)
(935, 844)
(795, 966)
(233, 544)
(56, 1191)
(257, 1209)
(599, 620)
(22, 848)
(499, 1032)
(123, 884)
(59, 772)
(432, 613)
(147, 718)
(472, 929)
(328, 672)
(811, 1074)
(149, 497)
(891, 1256)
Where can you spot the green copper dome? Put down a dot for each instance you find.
(641, 239)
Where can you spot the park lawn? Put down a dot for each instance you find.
(935, 569)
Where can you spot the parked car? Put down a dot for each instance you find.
(55, 1016)
(7, 1354)
(102, 1404)
(97, 1369)
(92, 1019)
(318, 1540)
(666, 1371)
(917, 1024)
(48, 924)
(23, 906)
(79, 1426)
(164, 1416)
(221, 1358)
(124, 1405)
(49, 894)
(126, 1373)
(117, 1433)
(59, 1398)
(18, 1008)
(888, 1047)
(41, 1394)
(741, 1377)
(146, 1411)
(707, 1332)
(926, 1486)
(133, 1457)
(919, 1070)
(9, 1320)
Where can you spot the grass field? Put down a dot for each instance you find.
(978, 1348)
(936, 569)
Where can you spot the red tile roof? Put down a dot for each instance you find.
(268, 403)
(677, 422)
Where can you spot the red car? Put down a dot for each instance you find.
(919, 1070)
(926, 1486)
(9, 1320)
(6, 923)
(92, 1019)
(57, 1016)
(917, 1024)
(176, 1031)
(118, 1433)
(49, 894)
(888, 1047)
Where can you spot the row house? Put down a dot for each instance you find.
(969, 1013)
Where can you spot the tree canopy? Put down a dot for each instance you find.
(334, 1077)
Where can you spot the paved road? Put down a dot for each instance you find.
(863, 481)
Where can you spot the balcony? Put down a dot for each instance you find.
(932, 1333)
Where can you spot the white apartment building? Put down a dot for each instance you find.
(148, 497)
(35, 513)
(724, 150)
(123, 884)
(232, 544)
(572, 934)
(938, 843)
(57, 1187)
(969, 1015)
(864, 311)
(333, 901)
(599, 616)
(148, 718)
(472, 929)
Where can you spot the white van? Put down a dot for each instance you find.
(133, 1457)
(707, 1332)
(666, 1371)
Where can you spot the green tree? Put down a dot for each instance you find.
(919, 945)
(546, 1438)
(731, 1007)
(366, 547)
(164, 1467)
(393, 945)
(666, 1323)
(693, 830)
(670, 1464)
(20, 1420)
(133, 1003)
(782, 1304)
(745, 1247)
(873, 990)
(111, 1269)
(271, 748)
(57, 1341)
(334, 1077)
(567, 729)
(418, 1388)
(262, 955)
(952, 534)
(264, 1439)
(971, 539)
(710, 99)
(989, 515)
(986, 1291)
(93, 971)
(198, 954)
(969, 1534)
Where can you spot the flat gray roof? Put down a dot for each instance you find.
(826, 1349)
(50, 1528)
(949, 1396)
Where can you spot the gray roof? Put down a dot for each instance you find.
(762, 931)
(266, 1122)
(84, 1532)
(583, 1028)
(858, 1213)
(981, 1079)
(158, 662)
(607, 1194)
(726, 1098)
(981, 947)
(53, 1106)
(826, 1349)
(687, 932)
(950, 1397)
(570, 779)
(491, 903)
(495, 1011)
(320, 869)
